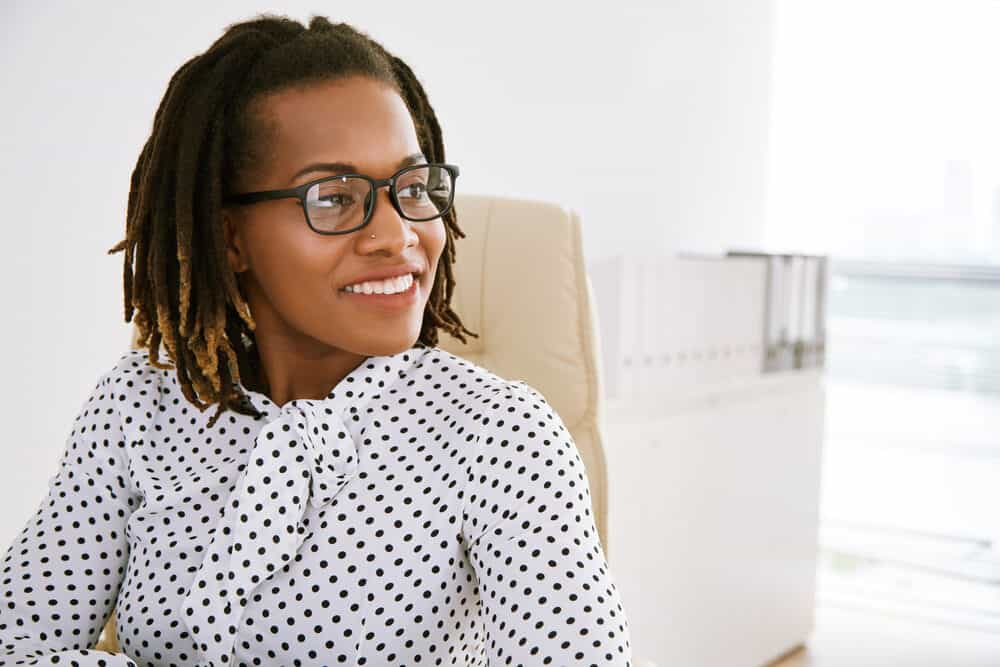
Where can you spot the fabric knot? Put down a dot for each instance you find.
(331, 454)
(306, 454)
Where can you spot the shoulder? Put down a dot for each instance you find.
(102, 433)
(133, 372)
(523, 448)
(132, 385)
(504, 406)
(462, 373)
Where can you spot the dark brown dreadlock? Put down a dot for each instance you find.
(184, 293)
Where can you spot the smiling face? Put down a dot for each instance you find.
(293, 277)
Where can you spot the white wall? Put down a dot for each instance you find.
(649, 118)
(885, 143)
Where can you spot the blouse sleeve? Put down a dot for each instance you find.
(60, 578)
(548, 596)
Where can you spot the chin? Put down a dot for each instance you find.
(387, 346)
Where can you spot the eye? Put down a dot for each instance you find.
(336, 195)
(332, 201)
(415, 190)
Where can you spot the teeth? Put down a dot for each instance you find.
(391, 286)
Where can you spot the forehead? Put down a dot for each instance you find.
(357, 120)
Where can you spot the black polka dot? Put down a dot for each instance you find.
(426, 512)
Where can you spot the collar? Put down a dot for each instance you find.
(306, 452)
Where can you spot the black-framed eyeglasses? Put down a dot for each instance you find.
(344, 203)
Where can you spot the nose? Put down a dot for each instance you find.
(389, 227)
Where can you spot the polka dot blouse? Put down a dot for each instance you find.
(425, 512)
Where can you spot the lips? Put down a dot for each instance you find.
(387, 272)
(394, 302)
(416, 278)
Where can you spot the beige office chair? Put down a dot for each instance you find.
(521, 285)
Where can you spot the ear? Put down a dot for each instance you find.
(235, 251)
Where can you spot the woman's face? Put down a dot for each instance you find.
(292, 277)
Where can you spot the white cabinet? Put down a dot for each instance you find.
(713, 464)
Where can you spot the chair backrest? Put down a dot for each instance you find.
(521, 284)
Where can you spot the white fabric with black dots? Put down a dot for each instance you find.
(426, 512)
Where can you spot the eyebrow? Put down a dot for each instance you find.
(348, 168)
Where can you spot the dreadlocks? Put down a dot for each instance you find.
(183, 292)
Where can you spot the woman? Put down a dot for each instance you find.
(358, 496)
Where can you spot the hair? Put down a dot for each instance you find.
(205, 134)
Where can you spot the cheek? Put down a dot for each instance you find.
(433, 241)
(294, 261)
